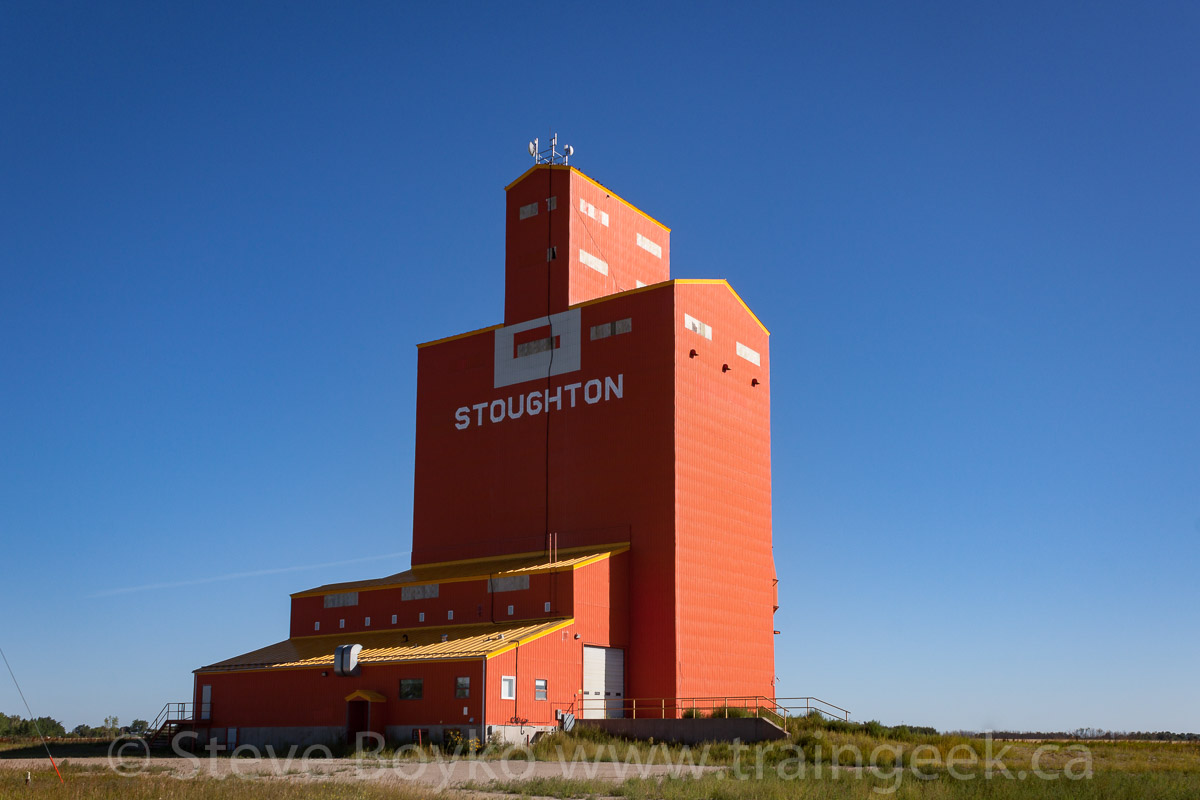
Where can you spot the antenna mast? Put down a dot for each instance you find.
(551, 155)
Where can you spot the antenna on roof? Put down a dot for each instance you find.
(550, 155)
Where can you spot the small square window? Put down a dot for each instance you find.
(367, 622)
(539, 689)
(421, 617)
(341, 623)
(316, 626)
(393, 619)
(510, 611)
(547, 606)
(462, 687)
(450, 614)
(508, 687)
(412, 688)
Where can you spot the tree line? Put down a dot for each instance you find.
(16, 727)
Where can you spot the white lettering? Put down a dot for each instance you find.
(533, 403)
(587, 391)
(520, 406)
(571, 387)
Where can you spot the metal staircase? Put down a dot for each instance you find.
(173, 719)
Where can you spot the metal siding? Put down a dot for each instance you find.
(724, 565)
(615, 243)
(302, 697)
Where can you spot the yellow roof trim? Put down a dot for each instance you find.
(564, 563)
(448, 660)
(366, 694)
(593, 182)
(461, 335)
(673, 281)
(565, 623)
(731, 291)
(438, 644)
(625, 293)
(527, 554)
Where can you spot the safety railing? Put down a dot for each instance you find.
(776, 709)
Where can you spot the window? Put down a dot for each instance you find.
(462, 687)
(650, 247)
(510, 611)
(547, 606)
(393, 619)
(512, 583)
(539, 689)
(341, 623)
(316, 626)
(421, 617)
(508, 687)
(424, 591)
(341, 600)
(412, 688)
(450, 614)
(367, 622)
(748, 354)
(696, 326)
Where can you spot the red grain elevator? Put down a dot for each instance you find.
(617, 417)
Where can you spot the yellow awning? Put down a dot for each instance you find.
(366, 694)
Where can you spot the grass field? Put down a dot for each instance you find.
(819, 760)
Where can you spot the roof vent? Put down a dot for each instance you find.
(445, 637)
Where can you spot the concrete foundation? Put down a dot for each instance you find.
(689, 731)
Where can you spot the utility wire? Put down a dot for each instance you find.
(32, 718)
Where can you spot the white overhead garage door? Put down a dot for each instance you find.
(603, 682)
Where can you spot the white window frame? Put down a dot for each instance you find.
(508, 687)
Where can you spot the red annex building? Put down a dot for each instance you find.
(592, 511)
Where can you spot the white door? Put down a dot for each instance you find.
(603, 682)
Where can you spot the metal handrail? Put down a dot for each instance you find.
(672, 707)
(171, 712)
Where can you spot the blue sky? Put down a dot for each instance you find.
(972, 230)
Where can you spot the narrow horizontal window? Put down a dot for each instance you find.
(696, 326)
(341, 600)
(649, 246)
(529, 211)
(511, 583)
(423, 592)
(748, 354)
(589, 260)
